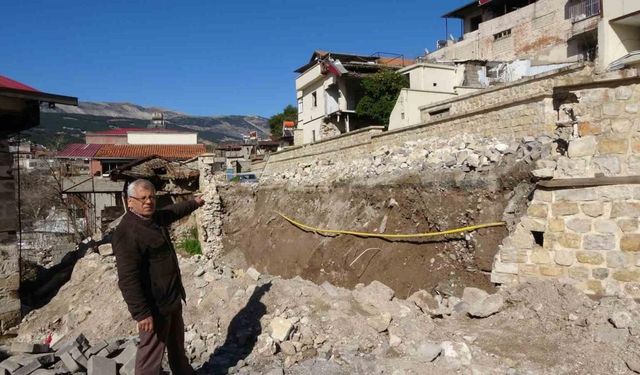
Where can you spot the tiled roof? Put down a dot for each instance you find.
(141, 151)
(79, 150)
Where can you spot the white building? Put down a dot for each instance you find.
(328, 90)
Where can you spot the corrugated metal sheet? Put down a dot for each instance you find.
(79, 150)
(8, 83)
(141, 151)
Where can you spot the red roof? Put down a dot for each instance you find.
(79, 150)
(8, 83)
(141, 151)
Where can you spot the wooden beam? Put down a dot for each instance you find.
(574, 183)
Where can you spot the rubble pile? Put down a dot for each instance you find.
(458, 154)
(72, 355)
(241, 321)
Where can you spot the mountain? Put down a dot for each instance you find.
(68, 124)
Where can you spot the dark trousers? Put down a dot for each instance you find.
(168, 333)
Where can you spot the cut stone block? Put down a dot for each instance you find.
(10, 365)
(23, 347)
(96, 348)
(77, 355)
(101, 366)
(69, 362)
(127, 354)
(28, 368)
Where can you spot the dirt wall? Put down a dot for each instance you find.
(254, 232)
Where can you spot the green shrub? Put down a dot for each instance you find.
(190, 244)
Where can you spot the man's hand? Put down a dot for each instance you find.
(199, 201)
(146, 325)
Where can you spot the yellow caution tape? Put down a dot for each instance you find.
(381, 235)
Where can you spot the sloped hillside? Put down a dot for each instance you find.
(67, 124)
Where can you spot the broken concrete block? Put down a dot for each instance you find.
(280, 328)
(23, 347)
(101, 366)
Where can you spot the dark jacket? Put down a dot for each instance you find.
(148, 272)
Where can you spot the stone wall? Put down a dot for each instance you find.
(9, 258)
(506, 113)
(209, 216)
(586, 235)
(571, 123)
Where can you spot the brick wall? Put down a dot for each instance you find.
(9, 266)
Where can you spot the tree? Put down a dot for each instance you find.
(290, 113)
(380, 92)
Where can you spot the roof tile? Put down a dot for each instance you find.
(141, 151)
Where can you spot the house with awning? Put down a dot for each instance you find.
(19, 111)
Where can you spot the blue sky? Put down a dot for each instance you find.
(201, 57)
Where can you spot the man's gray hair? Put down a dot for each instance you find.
(139, 183)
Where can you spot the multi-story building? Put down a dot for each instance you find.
(328, 90)
(545, 31)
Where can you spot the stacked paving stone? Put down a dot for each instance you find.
(72, 356)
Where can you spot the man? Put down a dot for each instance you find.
(149, 277)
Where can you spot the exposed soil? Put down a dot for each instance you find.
(444, 264)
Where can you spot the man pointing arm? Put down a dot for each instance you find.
(149, 277)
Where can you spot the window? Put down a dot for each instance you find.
(314, 99)
(475, 23)
(439, 113)
(502, 34)
(300, 106)
(582, 9)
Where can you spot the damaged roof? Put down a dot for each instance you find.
(354, 61)
(154, 167)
